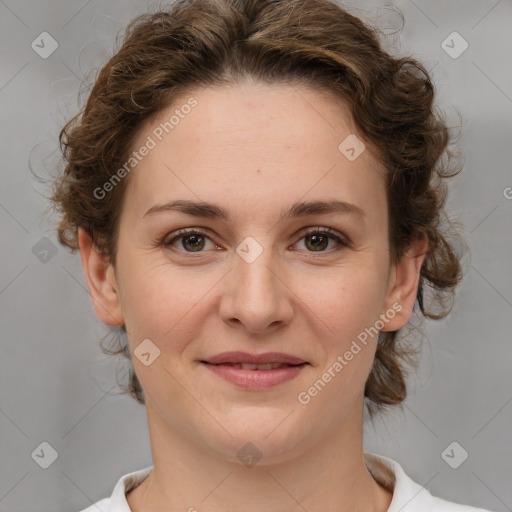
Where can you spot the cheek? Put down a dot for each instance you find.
(144, 297)
(349, 305)
(345, 300)
(159, 301)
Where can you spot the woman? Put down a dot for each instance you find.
(255, 189)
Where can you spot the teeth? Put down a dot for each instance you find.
(264, 366)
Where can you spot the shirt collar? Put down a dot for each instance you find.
(126, 483)
(407, 494)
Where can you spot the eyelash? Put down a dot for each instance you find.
(166, 242)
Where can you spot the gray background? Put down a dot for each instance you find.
(57, 387)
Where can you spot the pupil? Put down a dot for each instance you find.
(314, 239)
(195, 244)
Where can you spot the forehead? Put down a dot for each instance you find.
(253, 146)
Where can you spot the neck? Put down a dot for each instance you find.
(329, 476)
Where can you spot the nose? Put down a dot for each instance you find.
(256, 295)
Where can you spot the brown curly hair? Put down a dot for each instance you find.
(312, 42)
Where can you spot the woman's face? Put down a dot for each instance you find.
(255, 280)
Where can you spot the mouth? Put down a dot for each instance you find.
(229, 358)
(260, 367)
(255, 371)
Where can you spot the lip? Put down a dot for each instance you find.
(255, 379)
(245, 357)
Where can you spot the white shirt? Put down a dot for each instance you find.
(408, 496)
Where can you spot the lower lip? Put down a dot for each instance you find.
(256, 379)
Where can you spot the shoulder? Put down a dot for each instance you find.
(408, 496)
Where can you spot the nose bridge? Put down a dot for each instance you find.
(254, 268)
(257, 296)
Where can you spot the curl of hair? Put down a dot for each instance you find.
(197, 43)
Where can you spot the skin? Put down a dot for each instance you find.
(254, 149)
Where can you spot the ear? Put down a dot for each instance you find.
(403, 283)
(101, 281)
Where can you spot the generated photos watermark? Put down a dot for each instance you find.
(304, 397)
(151, 142)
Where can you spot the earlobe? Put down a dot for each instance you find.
(101, 282)
(404, 283)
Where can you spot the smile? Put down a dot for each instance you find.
(256, 376)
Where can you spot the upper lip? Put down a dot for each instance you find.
(245, 357)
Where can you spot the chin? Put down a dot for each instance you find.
(267, 436)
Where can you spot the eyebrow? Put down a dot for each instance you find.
(299, 209)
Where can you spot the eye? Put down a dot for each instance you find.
(317, 239)
(192, 240)
(195, 240)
